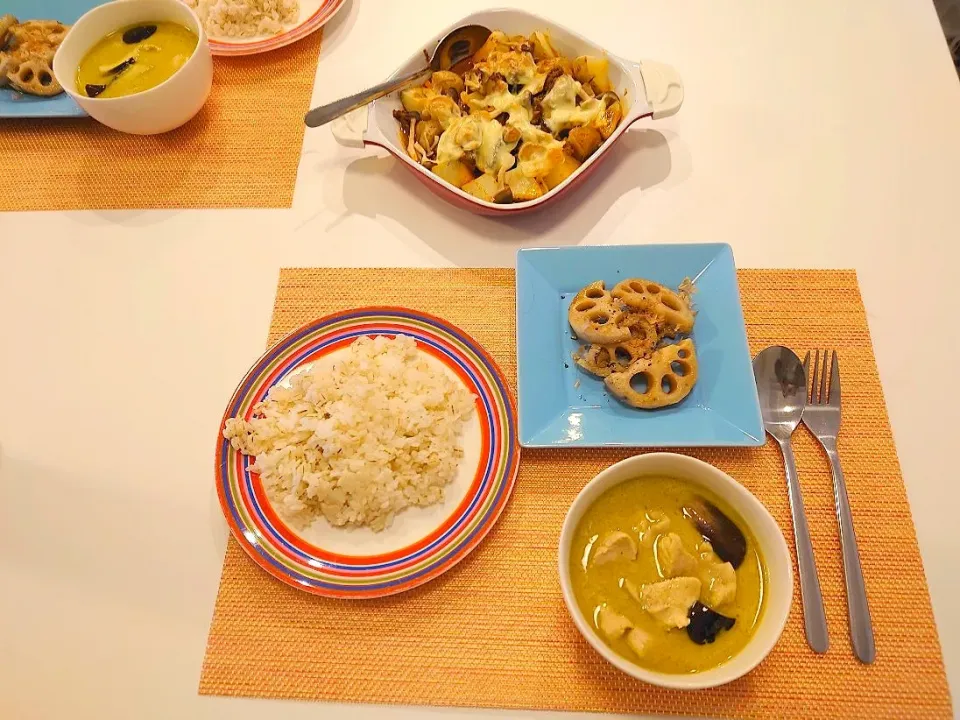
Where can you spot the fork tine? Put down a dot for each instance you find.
(806, 374)
(823, 378)
(816, 371)
(835, 381)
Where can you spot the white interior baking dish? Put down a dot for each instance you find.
(647, 89)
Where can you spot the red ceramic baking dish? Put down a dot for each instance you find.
(648, 89)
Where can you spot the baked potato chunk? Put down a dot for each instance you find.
(522, 187)
(455, 172)
(608, 120)
(428, 132)
(443, 80)
(583, 141)
(535, 160)
(484, 187)
(561, 172)
(557, 63)
(442, 109)
(542, 47)
(415, 99)
(493, 42)
(593, 70)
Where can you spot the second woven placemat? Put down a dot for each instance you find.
(494, 632)
(241, 151)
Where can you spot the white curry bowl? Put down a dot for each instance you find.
(773, 547)
(648, 90)
(160, 109)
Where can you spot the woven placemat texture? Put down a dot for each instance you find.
(494, 632)
(242, 150)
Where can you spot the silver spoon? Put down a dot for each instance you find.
(782, 387)
(456, 47)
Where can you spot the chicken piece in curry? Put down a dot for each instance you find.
(514, 122)
(668, 575)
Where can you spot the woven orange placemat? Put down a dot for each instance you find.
(241, 151)
(494, 631)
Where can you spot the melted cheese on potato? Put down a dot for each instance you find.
(508, 60)
(480, 135)
(518, 107)
(497, 102)
(560, 109)
(494, 152)
(518, 68)
(463, 135)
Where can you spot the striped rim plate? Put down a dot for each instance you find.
(421, 543)
(314, 14)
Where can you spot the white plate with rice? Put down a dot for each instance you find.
(247, 27)
(367, 453)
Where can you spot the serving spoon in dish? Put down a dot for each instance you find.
(456, 47)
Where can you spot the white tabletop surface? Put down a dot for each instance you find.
(814, 134)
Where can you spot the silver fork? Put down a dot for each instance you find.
(822, 418)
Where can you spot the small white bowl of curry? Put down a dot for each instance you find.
(674, 572)
(138, 66)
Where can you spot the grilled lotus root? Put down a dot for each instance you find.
(644, 335)
(36, 33)
(26, 54)
(665, 378)
(594, 316)
(35, 77)
(601, 360)
(670, 309)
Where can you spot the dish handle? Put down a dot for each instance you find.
(662, 86)
(350, 130)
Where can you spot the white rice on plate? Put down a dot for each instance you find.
(245, 18)
(358, 442)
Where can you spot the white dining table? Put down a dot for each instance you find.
(814, 134)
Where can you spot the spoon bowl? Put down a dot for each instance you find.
(456, 47)
(782, 389)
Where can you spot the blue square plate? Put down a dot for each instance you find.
(14, 104)
(557, 411)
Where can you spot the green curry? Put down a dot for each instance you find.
(134, 59)
(658, 591)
